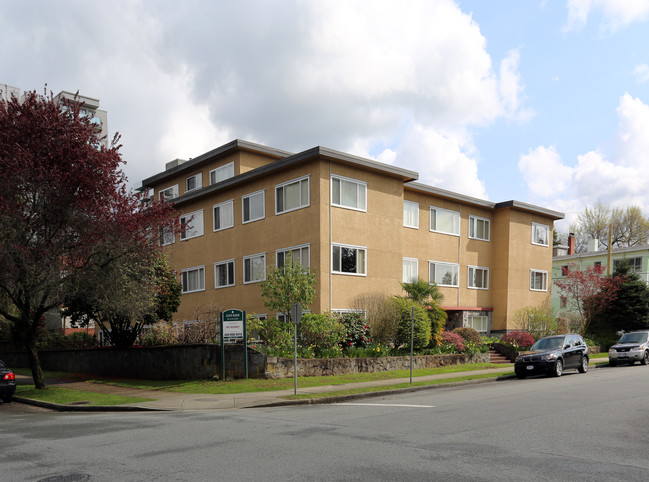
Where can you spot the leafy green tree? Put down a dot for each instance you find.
(421, 329)
(287, 285)
(629, 310)
(428, 296)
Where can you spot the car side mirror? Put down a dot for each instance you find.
(566, 347)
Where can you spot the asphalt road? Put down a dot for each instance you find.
(577, 427)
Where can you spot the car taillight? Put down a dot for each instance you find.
(9, 376)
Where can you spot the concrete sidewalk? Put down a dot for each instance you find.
(165, 400)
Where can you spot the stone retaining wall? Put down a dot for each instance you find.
(283, 367)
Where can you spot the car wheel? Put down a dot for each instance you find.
(612, 363)
(645, 358)
(583, 366)
(558, 368)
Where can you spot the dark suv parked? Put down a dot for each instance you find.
(552, 354)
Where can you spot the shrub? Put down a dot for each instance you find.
(273, 333)
(422, 330)
(519, 339)
(382, 315)
(320, 332)
(357, 331)
(469, 334)
(160, 333)
(56, 340)
(454, 340)
(538, 321)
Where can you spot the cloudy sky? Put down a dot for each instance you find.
(541, 101)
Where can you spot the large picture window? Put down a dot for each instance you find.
(193, 279)
(478, 277)
(348, 193)
(222, 173)
(479, 323)
(297, 254)
(444, 221)
(411, 214)
(348, 259)
(168, 193)
(540, 234)
(254, 207)
(191, 225)
(443, 274)
(224, 274)
(479, 228)
(538, 280)
(292, 195)
(254, 268)
(223, 215)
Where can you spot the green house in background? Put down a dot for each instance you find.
(564, 256)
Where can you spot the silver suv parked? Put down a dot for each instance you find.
(632, 347)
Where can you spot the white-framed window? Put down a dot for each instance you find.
(191, 225)
(253, 206)
(292, 195)
(222, 173)
(478, 278)
(410, 270)
(348, 259)
(348, 193)
(540, 234)
(193, 279)
(260, 316)
(411, 214)
(444, 221)
(167, 235)
(479, 323)
(444, 274)
(254, 268)
(223, 215)
(299, 254)
(168, 193)
(538, 280)
(479, 228)
(194, 182)
(224, 273)
(635, 264)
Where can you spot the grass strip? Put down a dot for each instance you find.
(68, 396)
(353, 391)
(266, 385)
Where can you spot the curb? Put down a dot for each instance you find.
(87, 408)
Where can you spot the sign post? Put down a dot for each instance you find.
(296, 316)
(233, 330)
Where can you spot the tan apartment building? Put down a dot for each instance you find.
(361, 225)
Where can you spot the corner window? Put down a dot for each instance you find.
(167, 236)
(224, 274)
(193, 279)
(479, 228)
(444, 221)
(194, 182)
(222, 173)
(540, 234)
(348, 193)
(169, 193)
(292, 195)
(443, 274)
(191, 225)
(410, 270)
(254, 207)
(348, 259)
(538, 280)
(223, 215)
(478, 278)
(254, 268)
(411, 214)
(297, 254)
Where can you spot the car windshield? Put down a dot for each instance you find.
(633, 338)
(548, 344)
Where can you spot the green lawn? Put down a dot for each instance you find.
(66, 396)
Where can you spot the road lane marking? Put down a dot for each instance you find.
(386, 405)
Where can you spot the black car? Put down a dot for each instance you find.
(552, 355)
(7, 383)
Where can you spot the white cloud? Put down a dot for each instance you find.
(511, 87)
(641, 72)
(622, 180)
(616, 14)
